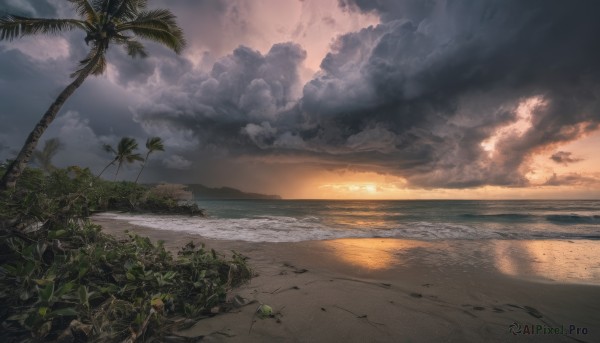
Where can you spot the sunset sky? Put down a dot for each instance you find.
(387, 99)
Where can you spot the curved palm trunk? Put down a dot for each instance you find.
(9, 180)
(108, 165)
(143, 165)
(117, 172)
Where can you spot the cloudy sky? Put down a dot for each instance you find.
(334, 98)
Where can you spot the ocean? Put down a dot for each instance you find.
(302, 220)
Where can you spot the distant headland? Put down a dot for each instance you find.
(203, 192)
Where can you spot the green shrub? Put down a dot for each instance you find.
(60, 275)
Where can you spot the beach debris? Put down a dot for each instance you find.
(318, 280)
(323, 309)
(362, 316)
(378, 284)
(239, 301)
(295, 269)
(416, 295)
(533, 312)
(264, 311)
(478, 308)
(279, 290)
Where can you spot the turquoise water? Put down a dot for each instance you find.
(299, 220)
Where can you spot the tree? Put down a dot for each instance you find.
(152, 144)
(105, 22)
(123, 153)
(44, 157)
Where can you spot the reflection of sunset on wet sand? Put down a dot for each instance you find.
(541, 260)
(372, 253)
(561, 261)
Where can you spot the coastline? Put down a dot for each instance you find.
(390, 290)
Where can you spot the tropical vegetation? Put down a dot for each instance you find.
(62, 279)
(105, 22)
(152, 144)
(44, 157)
(125, 152)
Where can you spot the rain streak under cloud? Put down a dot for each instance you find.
(279, 96)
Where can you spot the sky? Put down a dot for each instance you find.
(333, 99)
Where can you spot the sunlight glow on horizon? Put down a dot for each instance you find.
(391, 188)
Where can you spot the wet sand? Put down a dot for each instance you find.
(391, 290)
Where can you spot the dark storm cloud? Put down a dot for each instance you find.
(416, 96)
(38, 8)
(437, 78)
(419, 96)
(232, 105)
(572, 179)
(564, 157)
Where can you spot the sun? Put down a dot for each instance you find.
(370, 188)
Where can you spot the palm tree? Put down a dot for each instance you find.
(123, 153)
(104, 22)
(152, 144)
(44, 157)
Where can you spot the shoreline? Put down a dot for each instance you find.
(388, 290)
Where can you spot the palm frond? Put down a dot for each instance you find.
(98, 5)
(135, 49)
(133, 157)
(126, 146)
(129, 9)
(94, 63)
(85, 10)
(157, 25)
(12, 26)
(155, 144)
(52, 146)
(103, 6)
(108, 148)
(37, 157)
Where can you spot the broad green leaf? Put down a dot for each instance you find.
(64, 289)
(57, 234)
(82, 272)
(42, 282)
(84, 296)
(18, 317)
(46, 293)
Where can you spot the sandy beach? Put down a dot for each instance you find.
(392, 290)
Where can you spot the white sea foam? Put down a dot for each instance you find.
(289, 229)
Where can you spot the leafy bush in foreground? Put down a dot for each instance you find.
(62, 279)
(109, 287)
